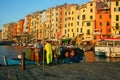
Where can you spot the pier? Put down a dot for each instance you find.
(77, 71)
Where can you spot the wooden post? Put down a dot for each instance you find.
(43, 45)
(23, 61)
(5, 60)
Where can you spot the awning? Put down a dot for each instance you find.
(111, 39)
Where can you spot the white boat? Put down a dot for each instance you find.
(108, 47)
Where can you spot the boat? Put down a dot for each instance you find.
(16, 61)
(7, 42)
(108, 47)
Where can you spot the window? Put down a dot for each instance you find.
(117, 3)
(65, 19)
(71, 24)
(65, 13)
(72, 12)
(108, 23)
(56, 19)
(72, 18)
(81, 30)
(100, 16)
(83, 10)
(91, 4)
(88, 32)
(119, 9)
(117, 26)
(100, 23)
(77, 29)
(72, 30)
(78, 23)
(78, 17)
(73, 34)
(68, 30)
(83, 17)
(115, 9)
(117, 17)
(109, 16)
(65, 32)
(91, 17)
(82, 23)
(91, 10)
(88, 24)
(69, 12)
(65, 25)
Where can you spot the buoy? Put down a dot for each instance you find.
(19, 56)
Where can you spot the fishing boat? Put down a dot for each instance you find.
(108, 47)
(16, 61)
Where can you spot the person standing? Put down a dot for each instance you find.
(57, 53)
(38, 51)
(48, 48)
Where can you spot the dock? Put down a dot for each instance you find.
(73, 71)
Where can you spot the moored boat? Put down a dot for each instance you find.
(109, 47)
(16, 61)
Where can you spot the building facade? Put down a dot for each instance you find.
(115, 18)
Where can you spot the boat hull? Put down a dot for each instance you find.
(108, 51)
(18, 62)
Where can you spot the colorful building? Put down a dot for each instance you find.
(103, 20)
(115, 18)
(5, 32)
(87, 20)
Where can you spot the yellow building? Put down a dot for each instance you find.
(70, 20)
(35, 25)
(87, 20)
(48, 24)
(8, 32)
(115, 18)
(5, 32)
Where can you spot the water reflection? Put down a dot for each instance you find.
(10, 52)
(90, 57)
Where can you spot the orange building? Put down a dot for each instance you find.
(103, 21)
(15, 30)
(20, 27)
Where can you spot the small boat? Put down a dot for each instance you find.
(6, 42)
(109, 47)
(16, 61)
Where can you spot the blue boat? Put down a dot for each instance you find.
(18, 62)
(6, 42)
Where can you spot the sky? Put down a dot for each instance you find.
(14, 10)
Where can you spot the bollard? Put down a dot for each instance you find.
(23, 61)
(5, 60)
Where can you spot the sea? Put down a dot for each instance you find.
(14, 51)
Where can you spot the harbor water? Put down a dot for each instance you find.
(14, 51)
(10, 52)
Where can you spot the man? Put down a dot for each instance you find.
(38, 51)
(48, 49)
